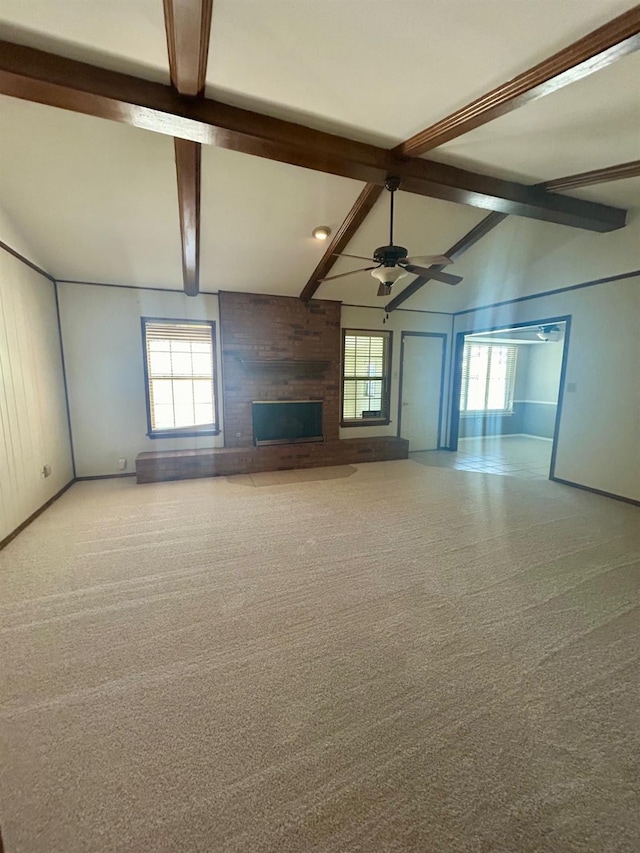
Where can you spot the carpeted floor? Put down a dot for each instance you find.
(397, 658)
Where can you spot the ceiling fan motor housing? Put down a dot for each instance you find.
(390, 255)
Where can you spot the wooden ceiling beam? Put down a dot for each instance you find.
(188, 158)
(595, 51)
(598, 49)
(449, 183)
(584, 179)
(354, 219)
(597, 176)
(188, 27)
(49, 79)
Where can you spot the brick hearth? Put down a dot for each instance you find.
(225, 461)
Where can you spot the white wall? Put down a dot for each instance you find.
(544, 363)
(599, 439)
(522, 372)
(105, 374)
(33, 419)
(398, 322)
(598, 443)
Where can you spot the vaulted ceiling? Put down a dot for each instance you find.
(98, 199)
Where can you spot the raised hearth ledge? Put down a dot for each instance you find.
(156, 467)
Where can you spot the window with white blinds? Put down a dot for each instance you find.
(488, 378)
(180, 376)
(365, 376)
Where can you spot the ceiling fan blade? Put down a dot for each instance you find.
(351, 272)
(359, 257)
(440, 260)
(444, 277)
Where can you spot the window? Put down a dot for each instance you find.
(366, 360)
(488, 374)
(179, 359)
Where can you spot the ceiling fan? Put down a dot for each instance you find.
(392, 262)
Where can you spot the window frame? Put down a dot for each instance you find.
(385, 420)
(181, 432)
(511, 380)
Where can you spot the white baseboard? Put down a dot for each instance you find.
(508, 435)
(538, 437)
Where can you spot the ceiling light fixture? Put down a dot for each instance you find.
(321, 232)
(549, 333)
(389, 275)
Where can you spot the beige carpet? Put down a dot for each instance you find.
(399, 658)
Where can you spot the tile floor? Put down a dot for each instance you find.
(507, 455)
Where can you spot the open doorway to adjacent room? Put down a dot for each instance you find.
(506, 392)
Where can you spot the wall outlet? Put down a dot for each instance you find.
(122, 463)
(46, 471)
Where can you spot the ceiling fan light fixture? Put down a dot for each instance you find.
(322, 232)
(389, 275)
(549, 333)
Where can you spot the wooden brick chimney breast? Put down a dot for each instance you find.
(278, 348)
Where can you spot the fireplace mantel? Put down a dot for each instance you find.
(297, 366)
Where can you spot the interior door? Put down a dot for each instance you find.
(420, 403)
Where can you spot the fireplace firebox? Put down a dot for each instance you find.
(287, 421)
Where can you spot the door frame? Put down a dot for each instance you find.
(443, 365)
(456, 386)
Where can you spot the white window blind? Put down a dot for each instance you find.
(488, 377)
(365, 386)
(180, 374)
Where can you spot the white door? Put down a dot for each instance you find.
(421, 384)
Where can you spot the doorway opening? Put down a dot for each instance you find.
(506, 399)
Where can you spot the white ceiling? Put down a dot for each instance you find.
(257, 219)
(591, 124)
(98, 200)
(525, 336)
(625, 194)
(524, 256)
(387, 68)
(122, 35)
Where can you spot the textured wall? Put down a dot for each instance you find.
(257, 328)
(33, 419)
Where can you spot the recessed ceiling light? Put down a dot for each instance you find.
(321, 232)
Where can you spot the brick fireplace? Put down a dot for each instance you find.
(278, 348)
(274, 348)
